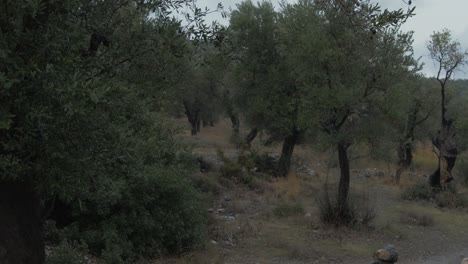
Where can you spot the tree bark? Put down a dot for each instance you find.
(193, 118)
(21, 230)
(284, 163)
(447, 146)
(445, 143)
(251, 136)
(343, 188)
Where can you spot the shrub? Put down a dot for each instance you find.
(358, 211)
(418, 191)
(158, 212)
(450, 198)
(134, 200)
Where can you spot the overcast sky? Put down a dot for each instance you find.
(431, 15)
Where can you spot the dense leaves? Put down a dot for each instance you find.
(84, 84)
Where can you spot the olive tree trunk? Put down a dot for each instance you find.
(21, 231)
(193, 116)
(343, 188)
(284, 163)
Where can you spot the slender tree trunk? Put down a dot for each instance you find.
(343, 188)
(235, 124)
(193, 118)
(251, 136)
(212, 124)
(284, 163)
(198, 125)
(205, 123)
(21, 233)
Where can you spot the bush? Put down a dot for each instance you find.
(135, 199)
(357, 213)
(158, 212)
(418, 191)
(450, 198)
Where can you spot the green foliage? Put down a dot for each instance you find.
(86, 126)
(69, 253)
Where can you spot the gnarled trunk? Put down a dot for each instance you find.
(21, 233)
(405, 157)
(343, 188)
(447, 146)
(289, 143)
(445, 143)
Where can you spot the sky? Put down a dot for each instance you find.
(431, 15)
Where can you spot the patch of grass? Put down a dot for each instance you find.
(417, 218)
(286, 210)
(450, 198)
(451, 220)
(424, 158)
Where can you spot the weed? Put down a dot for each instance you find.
(357, 213)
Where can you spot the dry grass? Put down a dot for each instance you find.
(420, 219)
(424, 158)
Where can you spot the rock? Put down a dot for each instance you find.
(388, 254)
(464, 261)
(228, 218)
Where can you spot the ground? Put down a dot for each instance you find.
(276, 220)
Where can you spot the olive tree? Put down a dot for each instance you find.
(346, 56)
(449, 57)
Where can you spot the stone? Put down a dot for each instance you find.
(388, 254)
(464, 261)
